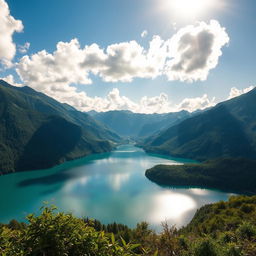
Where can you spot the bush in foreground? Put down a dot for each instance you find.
(59, 234)
(220, 229)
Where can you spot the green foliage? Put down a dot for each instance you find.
(216, 230)
(60, 234)
(205, 247)
(234, 250)
(246, 231)
(240, 174)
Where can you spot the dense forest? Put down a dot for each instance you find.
(220, 229)
(236, 175)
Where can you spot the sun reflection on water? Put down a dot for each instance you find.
(171, 205)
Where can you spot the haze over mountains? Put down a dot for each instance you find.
(36, 131)
(226, 130)
(135, 125)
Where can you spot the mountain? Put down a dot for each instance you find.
(226, 130)
(37, 131)
(127, 123)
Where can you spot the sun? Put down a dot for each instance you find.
(190, 8)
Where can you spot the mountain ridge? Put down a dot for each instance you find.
(226, 130)
(137, 125)
(33, 125)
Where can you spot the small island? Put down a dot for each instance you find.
(228, 174)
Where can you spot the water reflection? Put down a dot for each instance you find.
(69, 186)
(171, 205)
(117, 180)
(109, 187)
(199, 191)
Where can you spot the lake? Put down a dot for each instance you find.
(109, 187)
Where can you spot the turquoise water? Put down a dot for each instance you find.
(109, 187)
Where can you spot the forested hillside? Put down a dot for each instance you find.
(227, 130)
(38, 132)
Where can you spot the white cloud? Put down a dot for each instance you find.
(157, 104)
(24, 48)
(234, 92)
(192, 104)
(187, 56)
(144, 33)
(195, 50)
(125, 61)
(10, 79)
(115, 101)
(54, 73)
(8, 26)
(71, 64)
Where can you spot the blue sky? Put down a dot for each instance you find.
(47, 22)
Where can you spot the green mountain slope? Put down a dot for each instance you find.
(36, 131)
(227, 130)
(127, 123)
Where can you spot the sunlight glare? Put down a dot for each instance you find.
(190, 8)
(171, 205)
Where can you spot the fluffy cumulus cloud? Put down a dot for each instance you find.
(125, 61)
(187, 56)
(157, 104)
(115, 101)
(8, 26)
(234, 92)
(192, 104)
(71, 64)
(195, 50)
(54, 73)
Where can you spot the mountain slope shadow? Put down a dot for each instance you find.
(50, 144)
